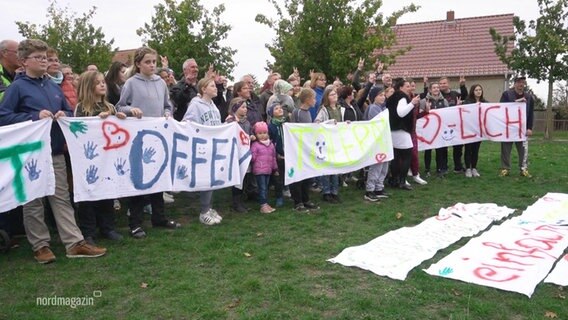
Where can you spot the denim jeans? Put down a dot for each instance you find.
(262, 180)
(330, 184)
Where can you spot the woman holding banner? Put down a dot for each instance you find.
(400, 108)
(472, 149)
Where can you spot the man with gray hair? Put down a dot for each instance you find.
(186, 89)
(9, 63)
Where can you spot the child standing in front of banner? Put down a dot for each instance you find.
(375, 185)
(301, 189)
(146, 94)
(276, 131)
(263, 163)
(92, 102)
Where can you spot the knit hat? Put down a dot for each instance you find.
(281, 87)
(270, 110)
(373, 93)
(260, 127)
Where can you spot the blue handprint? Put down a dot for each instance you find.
(148, 154)
(119, 166)
(31, 168)
(446, 271)
(89, 150)
(92, 174)
(181, 172)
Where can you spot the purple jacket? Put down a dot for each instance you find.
(263, 158)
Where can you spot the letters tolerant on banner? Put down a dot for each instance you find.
(25, 163)
(114, 158)
(471, 123)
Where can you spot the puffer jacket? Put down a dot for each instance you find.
(263, 158)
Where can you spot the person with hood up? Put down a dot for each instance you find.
(283, 91)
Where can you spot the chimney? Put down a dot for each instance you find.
(450, 15)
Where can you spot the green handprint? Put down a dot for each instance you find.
(77, 126)
(291, 172)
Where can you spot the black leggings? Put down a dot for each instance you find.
(401, 164)
(472, 155)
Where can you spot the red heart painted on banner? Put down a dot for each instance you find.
(244, 138)
(380, 157)
(115, 136)
(427, 123)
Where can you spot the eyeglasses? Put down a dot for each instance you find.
(52, 60)
(322, 79)
(38, 58)
(13, 51)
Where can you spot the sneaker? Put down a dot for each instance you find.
(370, 196)
(208, 219)
(475, 173)
(44, 255)
(279, 202)
(427, 173)
(300, 208)
(138, 233)
(287, 194)
(328, 198)
(458, 170)
(419, 180)
(344, 184)
(407, 184)
(354, 178)
(168, 198)
(381, 194)
(112, 235)
(409, 173)
(169, 224)
(310, 205)
(90, 240)
(525, 173)
(468, 173)
(216, 215)
(504, 173)
(116, 205)
(315, 189)
(148, 209)
(85, 250)
(265, 208)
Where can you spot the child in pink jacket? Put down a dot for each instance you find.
(263, 163)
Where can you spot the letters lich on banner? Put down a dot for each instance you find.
(471, 123)
(25, 163)
(115, 158)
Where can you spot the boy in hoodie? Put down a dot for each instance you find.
(33, 96)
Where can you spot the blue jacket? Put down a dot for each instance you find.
(26, 97)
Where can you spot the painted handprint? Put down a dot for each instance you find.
(119, 166)
(77, 126)
(181, 172)
(148, 154)
(31, 168)
(89, 149)
(91, 174)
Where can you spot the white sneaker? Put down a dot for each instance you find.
(168, 198)
(407, 184)
(419, 180)
(468, 173)
(409, 173)
(475, 173)
(345, 185)
(215, 215)
(287, 194)
(208, 219)
(354, 178)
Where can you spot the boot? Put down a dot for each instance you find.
(238, 205)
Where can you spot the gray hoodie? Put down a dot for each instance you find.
(151, 95)
(203, 112)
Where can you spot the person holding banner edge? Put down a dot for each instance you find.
(146, 94)
(33, 96)
(471, 154)
(454, 98)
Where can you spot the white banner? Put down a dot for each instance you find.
(397, 252)
(516, 255)
(471, 123)
(25, 163)
(559, 275)
(318, 149)
(115, 158)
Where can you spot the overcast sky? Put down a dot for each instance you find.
(119, 19)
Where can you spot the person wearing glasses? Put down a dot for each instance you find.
(318, 83)
(33, 96)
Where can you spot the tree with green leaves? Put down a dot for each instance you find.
(541, 49)
(187, 30)
(330, 35)
(76, 40)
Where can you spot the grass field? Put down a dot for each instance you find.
(255, 266)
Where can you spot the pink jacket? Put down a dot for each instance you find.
(263, 158)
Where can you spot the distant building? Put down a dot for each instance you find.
(454, 47)
(124, 56)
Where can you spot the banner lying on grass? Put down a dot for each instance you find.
(559, 275)
(471, 123)
(397, 252)
(516, 255)
(318, 149)
(25, 163)
(115, 158)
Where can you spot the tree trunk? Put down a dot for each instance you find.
(549, 127)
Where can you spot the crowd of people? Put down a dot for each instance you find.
(35, 85)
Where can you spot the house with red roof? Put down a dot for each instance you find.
(454, 47)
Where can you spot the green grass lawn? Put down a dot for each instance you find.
(256, 266)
